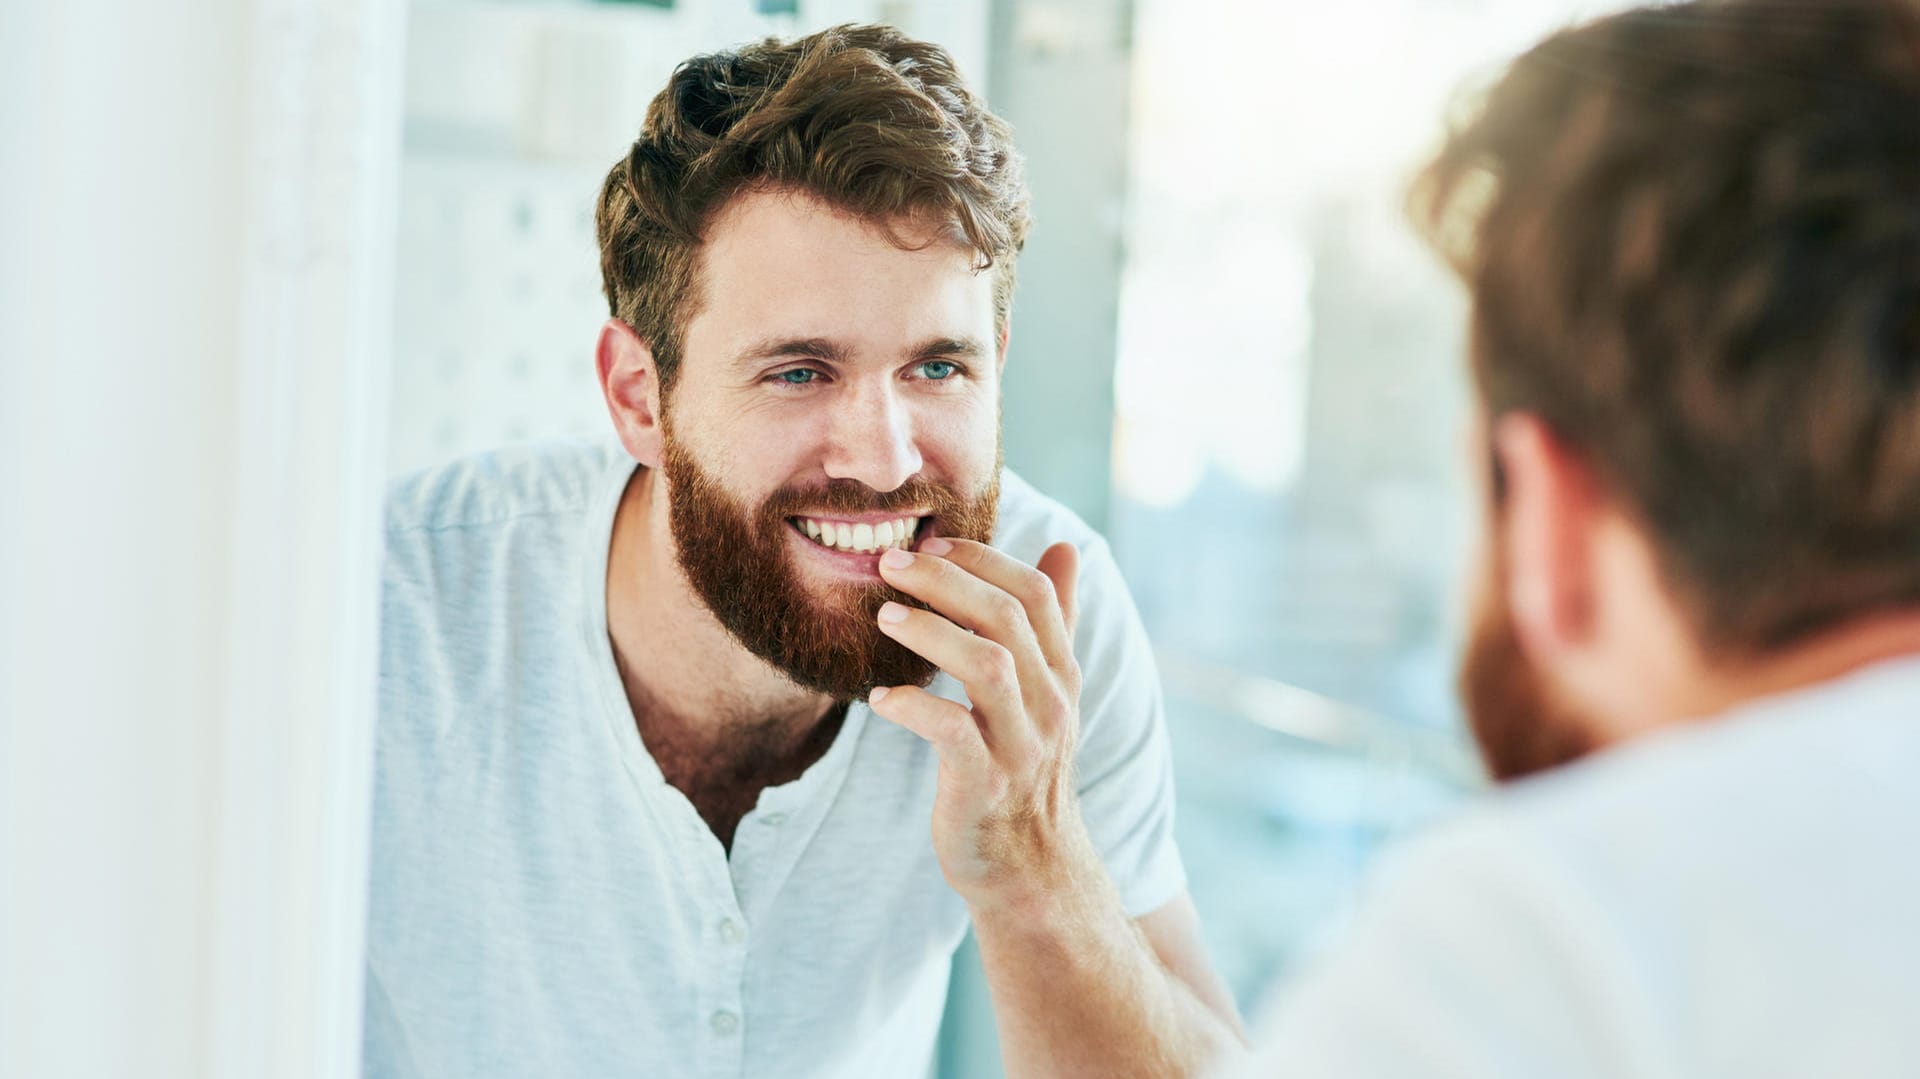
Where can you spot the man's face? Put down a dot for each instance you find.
(1523, 723)
(837, 394)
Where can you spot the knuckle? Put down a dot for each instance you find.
(953, 730)
(994, 666)
(1006, 610)
(1059, 709)
(1037, 588)
(1052, 719)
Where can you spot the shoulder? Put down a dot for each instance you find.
(1663, 828)
(1109, 627)
(487, 536)
(1635, 809)
(1478, 950)
(1615, 839)
(1558, 921)
(558, 476)
(1029, 522)
(484, 569)
(1618, 858)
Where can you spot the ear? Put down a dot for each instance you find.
(1548, 526)
(1006, 337)
(631, 384)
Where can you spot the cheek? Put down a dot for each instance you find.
(960, 443)
(750, 454)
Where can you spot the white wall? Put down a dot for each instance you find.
(196, 201)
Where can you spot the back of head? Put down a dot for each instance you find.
(1692, 237)
(862, 118)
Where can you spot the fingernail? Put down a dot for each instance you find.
(893, 612)
(877, 694)
(936, 545)
(895, 558)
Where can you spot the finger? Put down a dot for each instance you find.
(1037, 591)
(985, 667)
(946, 725)
(1061, 565)
(974, 603)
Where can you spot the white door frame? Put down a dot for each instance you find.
(196, 242)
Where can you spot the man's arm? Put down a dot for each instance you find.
(1079, 988)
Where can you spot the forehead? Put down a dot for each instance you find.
(783, 263)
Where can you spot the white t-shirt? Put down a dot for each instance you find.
(544, 904)
(1735, 899)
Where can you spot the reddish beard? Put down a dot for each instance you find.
(825, 639)
(1522, 725)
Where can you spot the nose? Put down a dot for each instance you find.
(871, 438)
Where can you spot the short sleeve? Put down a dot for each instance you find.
(1125, 769)
(1476, 957)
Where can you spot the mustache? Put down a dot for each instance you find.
(851, 496)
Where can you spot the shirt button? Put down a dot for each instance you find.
(725, 1023)
(730, 932)
(774, 820)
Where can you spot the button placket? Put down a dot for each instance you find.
(719, 1004)
(724, 999)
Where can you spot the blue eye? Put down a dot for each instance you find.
(799, 376)
(938, 370)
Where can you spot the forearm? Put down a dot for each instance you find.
(1078, 991)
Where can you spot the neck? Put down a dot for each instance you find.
(1717, 687)
(680, 665)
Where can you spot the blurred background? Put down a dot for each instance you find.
(1230, 354)
(263, 255)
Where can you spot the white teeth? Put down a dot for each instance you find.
(861, 536)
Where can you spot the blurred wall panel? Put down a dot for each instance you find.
(1061, 74)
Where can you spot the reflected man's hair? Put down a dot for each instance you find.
(863, 118)
(1692, 239)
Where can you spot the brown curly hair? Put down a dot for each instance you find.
(1692, 238)
(862, 117)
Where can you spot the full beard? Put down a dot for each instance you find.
(1522, 726)
(823, 638)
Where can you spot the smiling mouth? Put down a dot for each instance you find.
(860, 537)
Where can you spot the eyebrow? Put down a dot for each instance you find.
(968, 348)
(829, 351)
(797, 348)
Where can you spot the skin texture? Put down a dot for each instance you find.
(790, 285)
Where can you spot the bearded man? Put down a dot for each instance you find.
(699, 753)
(1692, 237)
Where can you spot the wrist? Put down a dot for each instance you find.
(1046, 896)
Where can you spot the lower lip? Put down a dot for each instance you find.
(857, 564)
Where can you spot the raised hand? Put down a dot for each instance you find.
(1006, 823)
